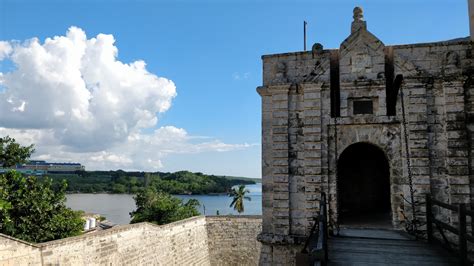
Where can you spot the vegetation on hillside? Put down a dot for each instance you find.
(161, 208)
(182, 182)
(30, 209)
(255, 180)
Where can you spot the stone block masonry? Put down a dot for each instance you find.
(329, 116)
(232, 240)
(217, 240)
(16, 252)
(181, 243)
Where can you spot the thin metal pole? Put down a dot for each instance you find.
(304, 33)
(325, 232)
(336, 173)
(462, 233)
(429, 222)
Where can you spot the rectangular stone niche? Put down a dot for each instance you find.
(362, 107)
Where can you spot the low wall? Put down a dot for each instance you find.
(215, 240)
(178, 243)
(232, 239)
(17, 252)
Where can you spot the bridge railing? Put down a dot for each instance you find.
(460, 231)
(315, 250)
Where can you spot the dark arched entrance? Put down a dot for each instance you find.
(364, 186)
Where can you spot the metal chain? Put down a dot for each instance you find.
(335, 171)
(410, 180)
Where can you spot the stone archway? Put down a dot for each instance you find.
(364, 186)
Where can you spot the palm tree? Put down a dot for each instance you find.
(238, 195)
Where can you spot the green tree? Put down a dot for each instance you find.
(161, 208)
(12, 153)
(35, 210)
(238, 195)
(133, 185)
(119, 188)
(31, 209)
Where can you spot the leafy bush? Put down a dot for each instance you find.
(35, 210)
(161, 208)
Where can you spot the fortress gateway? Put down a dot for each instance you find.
(333, 122)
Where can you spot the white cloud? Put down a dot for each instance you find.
(77, 87)
(76, 101)
(5, 49)
(240, 76)
(139, 152)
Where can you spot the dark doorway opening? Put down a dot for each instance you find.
(364, 187)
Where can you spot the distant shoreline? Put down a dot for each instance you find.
(122, 182)
(112, 193)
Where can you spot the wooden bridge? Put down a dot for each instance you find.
(357, 246)
(384, 247)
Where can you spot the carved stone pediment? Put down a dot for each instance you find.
(361, 54)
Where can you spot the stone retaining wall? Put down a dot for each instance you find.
(17, 252)
(194, 241)
(232, 240)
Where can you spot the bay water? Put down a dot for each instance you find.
(117, 207)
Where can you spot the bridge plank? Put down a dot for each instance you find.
(380, 247)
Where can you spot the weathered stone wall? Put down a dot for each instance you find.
(233, 239)
(16, 252)
(179, 243)
(439, 106)
(300, 149)
(194, 241)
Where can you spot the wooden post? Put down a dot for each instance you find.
(429, 222)
(462, 233)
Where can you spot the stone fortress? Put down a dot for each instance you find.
(333, 122)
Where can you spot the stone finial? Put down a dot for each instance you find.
(358, 22)
(358, 14)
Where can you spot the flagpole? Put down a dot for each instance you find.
(304, 33)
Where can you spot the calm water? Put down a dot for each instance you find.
(116, 207)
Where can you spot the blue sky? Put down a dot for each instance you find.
(212, 50)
